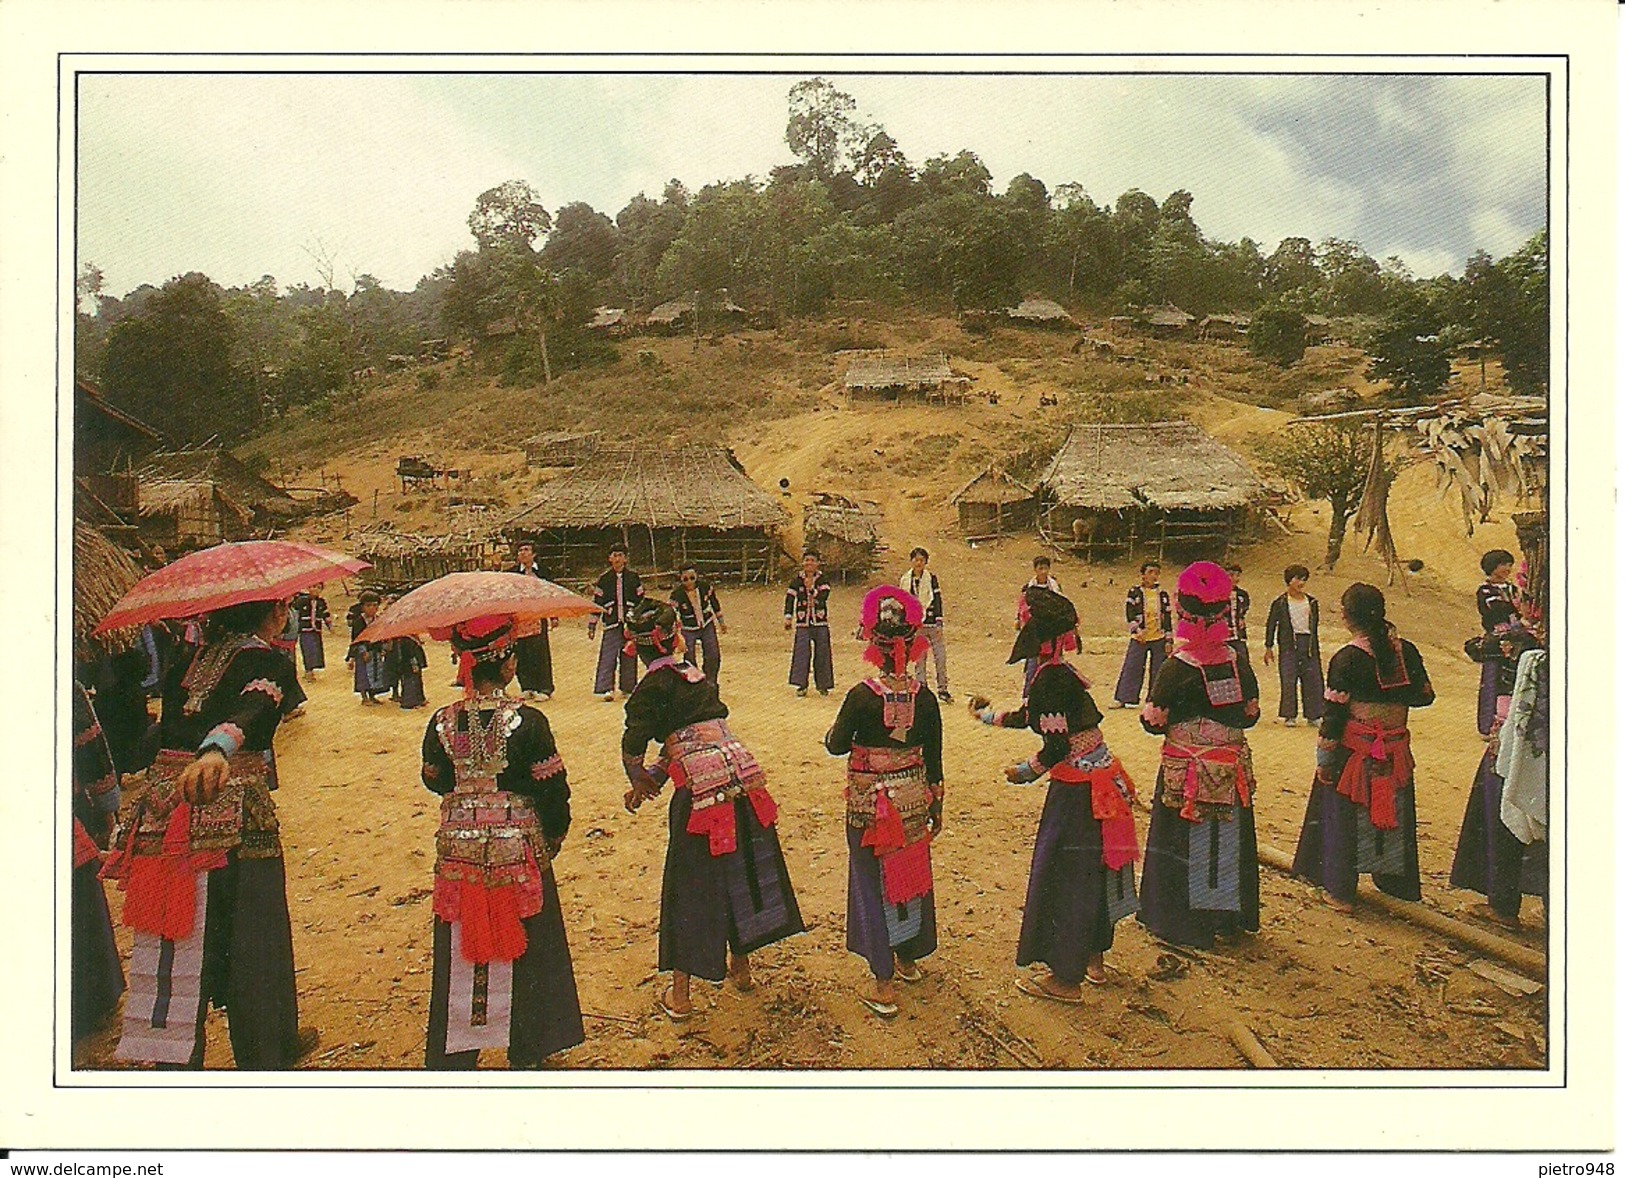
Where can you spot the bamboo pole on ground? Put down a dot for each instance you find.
(1521, 957)
(1247, 1043)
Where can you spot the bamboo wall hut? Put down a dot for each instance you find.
(1112, 490)
(845, 533)
(560, 448)
(666, 506)
(401, 561)
(1035, 312)
(994, 504)
(609, 320)
(887, 377)
(186, 514)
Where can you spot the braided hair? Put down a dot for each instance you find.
(1367, 612)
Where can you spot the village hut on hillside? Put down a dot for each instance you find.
(608, 320)
(888, 377)
(560, 448)
(667, 506)
(1167, 320)
(1224, 326)
(268, 505)
(1036, 312)
(401, 561)
(1112, 490)
(678, 315)
(102, 573)
(1317, 329)
(844, 532)
(994, 504)
(186, 514)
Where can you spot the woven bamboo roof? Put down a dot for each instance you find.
(836, 517)
(992, 484)
(386, 542)
(177, 496)
(1168, 317)
(559, 437)
(607, 317)
(693, 487)
(102, 573)
(882, 370)
(1040, 311)
(1164, 464)
(217, 465)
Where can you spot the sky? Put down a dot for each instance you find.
(243, 175)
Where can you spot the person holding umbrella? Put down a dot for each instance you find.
(502, 972)
(199, 855)
(726, 891)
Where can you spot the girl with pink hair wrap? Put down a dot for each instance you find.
(1201, 855)
(890, 730)
(1082, 878)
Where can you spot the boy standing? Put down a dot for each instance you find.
(806, 608)
(1150, 628)
(1041, 579)
(1240, 602)
(1295, 618)
(700, 615)
(617, 591)
(923, 585)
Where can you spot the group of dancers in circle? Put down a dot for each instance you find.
(200, 857)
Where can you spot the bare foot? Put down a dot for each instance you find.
(1485, 912)
(739, 974)
(1335, 904)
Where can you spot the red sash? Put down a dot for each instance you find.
(1379, 765)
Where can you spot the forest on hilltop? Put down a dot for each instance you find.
(852, 219)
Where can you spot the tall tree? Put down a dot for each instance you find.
(1290, 272)
(508, 216)
(822, 130)
(582, 239)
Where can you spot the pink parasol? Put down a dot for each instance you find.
(228, 574)
(462, 597)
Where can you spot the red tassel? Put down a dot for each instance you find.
(767, 810)
(507, 932)
(885, 834)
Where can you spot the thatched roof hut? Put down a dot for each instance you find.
(266, 503)
(1329, 400)
(678, 314)
(888, 376)
(1113, 487)
(401, 561)
(1041, 313)
(102, 573)
(667, 506)
(611, 320)
(994, 503)
(560, 448)
(183, 514)
(1167, 320)
(1224, 326)
(845, 533)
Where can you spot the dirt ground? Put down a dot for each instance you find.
(1320, 990)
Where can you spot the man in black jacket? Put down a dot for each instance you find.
(806, 608)
(1295, 619)
(617, 591)
(700, 615)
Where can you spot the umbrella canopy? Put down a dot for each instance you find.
(228, 574)
(461, 597)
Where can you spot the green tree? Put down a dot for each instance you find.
(1324, 460)
(822, 130)
(1351, 277)
(582, 239)
(1279, 333)
(171, 365)
(1406, 350)
(507, 216)
(1290, 272)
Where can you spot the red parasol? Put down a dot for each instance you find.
(228, 574)
(461, 597)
